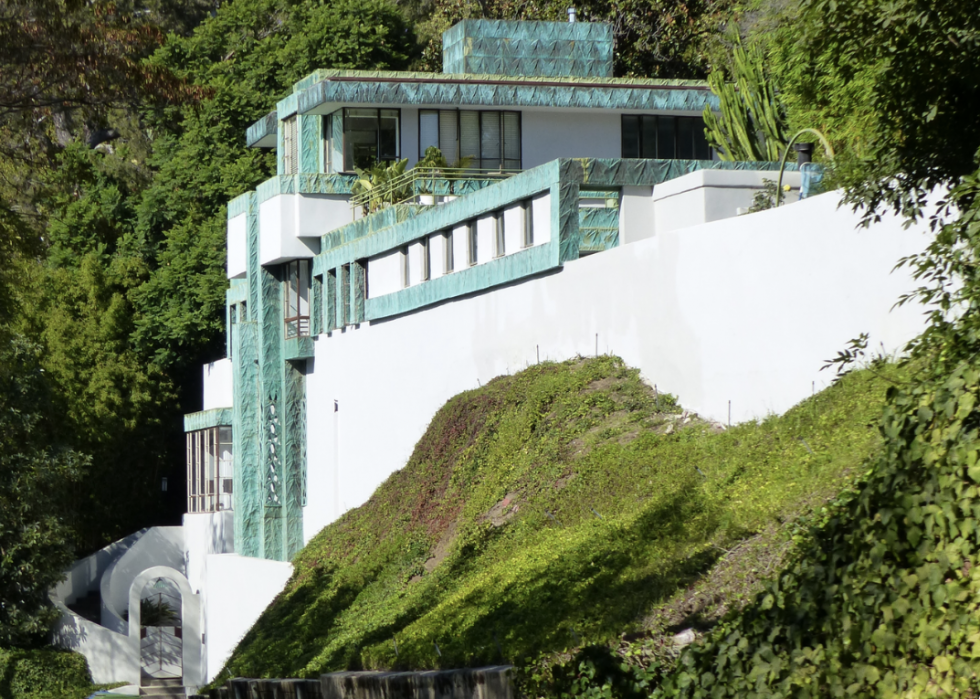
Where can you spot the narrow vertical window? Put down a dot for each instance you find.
(499, 244)
(447, 249)
(471, 235)
(425, 259)
(289, 147)
(406, 268)
(527, 209)
(209, 469)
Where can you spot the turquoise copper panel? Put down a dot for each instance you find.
(310, 144)
(517, 48)
(262, 134)
(357, 290)
(316, 307)
(305, 183)
(207, 418)
(297, 348)
(502, 270)
(246, 495)
(328, 94)
(330, 307)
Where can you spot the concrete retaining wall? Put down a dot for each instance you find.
(495, 682)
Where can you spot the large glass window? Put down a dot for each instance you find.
(370, 136)
(491, 140)
(664, 137)
(297, 299)
(209, 469)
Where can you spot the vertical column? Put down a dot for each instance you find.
(293, 462)
(330, 305)
(316, 310)
(310, 140)
(358, 274)
(246, 495)
(564, 219)
(271, 411)
(343, 296)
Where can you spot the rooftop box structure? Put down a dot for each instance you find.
(543, 49)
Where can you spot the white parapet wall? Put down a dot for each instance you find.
(237, 591)
(218, 385)
(703, 196)
(745, 310)
(112, 657)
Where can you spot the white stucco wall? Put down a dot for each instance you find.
(239, 590)
(160, 546)
(385, 274)
(712, 195)
(112, 657)
(746, 309)
(237, 247)
(206, 534)
(547, 134)
(217, 385)
(278, 224)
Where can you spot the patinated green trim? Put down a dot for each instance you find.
(316, 306)
(384, 75)
(305, 184)
(598, 228)
(247, 492)
(327, 95)
(262, 134)
(522, 48)
(343, 296)
(239, 205)
(297, 348)
(330, 307)
(358, 285)
(310, 144)
(208, 418)
(237, 291)
(502, 270)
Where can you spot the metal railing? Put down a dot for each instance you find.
(425, 185)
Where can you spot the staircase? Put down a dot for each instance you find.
(88, 607)
(157, 688)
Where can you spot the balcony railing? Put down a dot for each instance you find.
(425, 186)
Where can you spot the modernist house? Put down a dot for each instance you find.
(576, 213)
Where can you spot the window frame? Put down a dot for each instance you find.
(350, 167)
(207, 492)
(297, 325)
(481, 115)
(659, 134)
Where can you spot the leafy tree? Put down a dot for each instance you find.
(36, 477)
(895, 84)
(248, 55)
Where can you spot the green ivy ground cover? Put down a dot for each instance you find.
(559, 505)
(44, 673)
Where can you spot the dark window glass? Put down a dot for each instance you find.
(685, 138)
(370, 137)
(631, 137)
(648, 136)
(702, 151)
(666, 137)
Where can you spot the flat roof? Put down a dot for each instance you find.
(325, 91)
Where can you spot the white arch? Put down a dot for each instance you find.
(190, 605)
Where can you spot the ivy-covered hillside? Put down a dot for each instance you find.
(566, 504)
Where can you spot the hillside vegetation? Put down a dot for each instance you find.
(564, 504)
